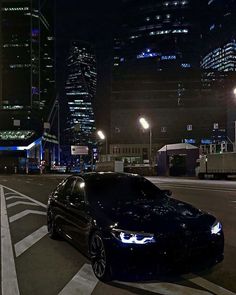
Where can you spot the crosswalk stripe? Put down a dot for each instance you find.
(30, 240)
(83, 283)
(24, 213)
(218, 290)
(8, 270)
(14, 197)
(29, 198)
(166, 288)
(21, 203)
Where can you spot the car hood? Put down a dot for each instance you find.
(154, 216)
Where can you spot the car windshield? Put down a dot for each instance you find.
(123, 189)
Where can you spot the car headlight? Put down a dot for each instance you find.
(216, 228)
(129, 237)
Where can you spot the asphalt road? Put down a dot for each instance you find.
(32, 263)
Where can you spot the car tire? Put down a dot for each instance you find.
(51, 224)
(100, 261)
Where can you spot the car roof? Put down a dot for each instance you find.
(104, 175)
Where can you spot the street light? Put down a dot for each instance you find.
(102, 136)
(234, 91)
(144, 123)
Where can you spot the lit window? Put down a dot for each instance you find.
(189, 127)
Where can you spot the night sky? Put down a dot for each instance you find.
(91, 21)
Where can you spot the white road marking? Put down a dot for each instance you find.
(210, 286)
(21, 203)
(166, 288)
(196, 188)
(6, 194)
(83, 283)
(8, 270)
(14, 197)
(24, 213)
(29, 198)
(30, 240)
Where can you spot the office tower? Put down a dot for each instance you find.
(27, 72)
(80, 92)
(156, 74)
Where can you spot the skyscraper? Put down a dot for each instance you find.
(27, 78)
(156, 73)
(219, 58)
(27, 71)
(80, 91)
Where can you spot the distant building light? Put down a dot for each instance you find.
(190, 141)
(206, 141)
(146, 55)
(212, 27)
(185, 65)
(168, 57)
(189, 127)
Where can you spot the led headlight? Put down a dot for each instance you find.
(129, 237)
(216, 228)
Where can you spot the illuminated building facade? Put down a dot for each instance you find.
(156, 73)
(222, 59)
(219, 58)
(80, 92)
(27, 44)
(27, 78)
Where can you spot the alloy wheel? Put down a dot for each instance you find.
(98, 256)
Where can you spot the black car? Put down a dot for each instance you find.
(123, 220)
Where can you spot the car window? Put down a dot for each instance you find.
(66, 189)
(78, 193)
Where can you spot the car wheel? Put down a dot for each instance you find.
(100, 260)
(52, 231)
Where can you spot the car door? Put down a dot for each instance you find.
(62, 197)
(79, 215)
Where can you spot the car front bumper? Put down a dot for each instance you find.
(168, 253)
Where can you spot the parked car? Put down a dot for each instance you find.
(123, 220)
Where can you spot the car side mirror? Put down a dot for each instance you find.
(167, 192)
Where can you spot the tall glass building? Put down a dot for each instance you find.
(219, 58)
(27, 76)
(26, 54)
(157, 74)
(80, 91)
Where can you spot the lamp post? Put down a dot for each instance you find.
(145, 125)
(234, 91)
(102, 136)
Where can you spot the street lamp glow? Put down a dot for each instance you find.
(234, 91)
(144, 123)
(101, 135)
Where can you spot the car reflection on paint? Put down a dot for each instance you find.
(123, 221)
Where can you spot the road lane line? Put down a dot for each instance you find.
(14, 197)
(83, 283)
(166, 288)
(29, 198)
(21, 203)
(218, 290)
(8, 270)
(197, 188)
(24, 213)
(30, 240)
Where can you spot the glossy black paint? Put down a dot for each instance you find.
(182, 232)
